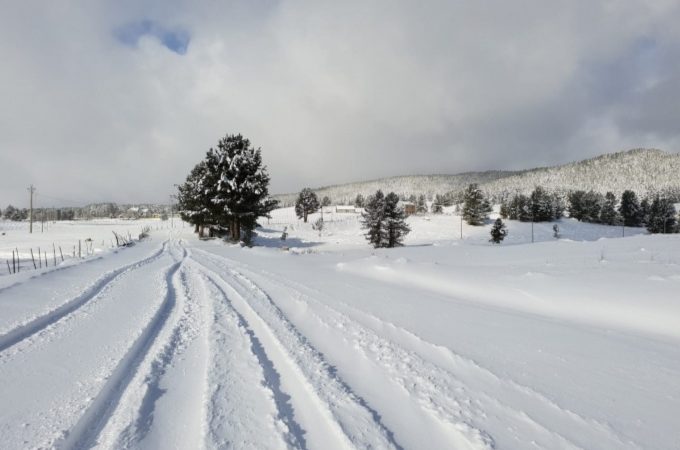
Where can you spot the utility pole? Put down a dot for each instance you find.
(31, 189)
(172, 217)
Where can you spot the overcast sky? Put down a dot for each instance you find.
(118, 100)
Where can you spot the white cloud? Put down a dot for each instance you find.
(332, 91)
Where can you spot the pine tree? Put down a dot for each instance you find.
(372, 218)
(326, 201)
(193, 206)
(576, 205)
(520, 208)
(661, 216)
(630, 209)
(498, 232)
(421, 205)
(233, 187)
(505, 210)
(306, 203)
(585, 206)
(438, 204)
(395, 228)
(541, 205)
(557, 206)
(608, 214)
(476, 206)
(359, 201)
(645, 207)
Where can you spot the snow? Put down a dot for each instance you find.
(320, 341)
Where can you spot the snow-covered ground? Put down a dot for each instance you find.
(322, 342)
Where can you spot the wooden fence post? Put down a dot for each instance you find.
(33, 259)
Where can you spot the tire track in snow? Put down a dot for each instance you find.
(38, 324)
(140, 421)
(356, 424)
(231, 376)
(85, 432)
(443, 374)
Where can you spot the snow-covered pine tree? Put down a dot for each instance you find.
(505, 210)
(438, 204)
(645, 207)
(372, 218)
(237, 185)
(541, 205)
(476, 207)
(662, 216)
(585, 206)
(608, 214)
(326, 201)
(193, 205)
(395, 228)
(306, 203)
(359, 201)
(498, 232)
(592, 205)
(576, 209)
(630, 209)
(520, 208)
(557, 206)
(421, 205)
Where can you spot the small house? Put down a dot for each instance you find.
(408, 207)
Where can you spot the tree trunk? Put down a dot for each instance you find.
(305, 214)
(196, 228)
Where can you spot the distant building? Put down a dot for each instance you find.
(408, 207)
(345, 209)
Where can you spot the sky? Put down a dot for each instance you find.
(118, 100)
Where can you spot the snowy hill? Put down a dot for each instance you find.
(643, 170)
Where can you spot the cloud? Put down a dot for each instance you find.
(117, 101)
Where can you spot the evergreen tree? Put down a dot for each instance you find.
(476, 207)
(498, 232)
(421, 205)
(384, 220)
(395, 228)
(608, 214)
(306, 203)
(557, 206)
(372, 218)
(438, 204)
(520, 208)
(630, 209)
(541, 205)
(359, 201)
(576, 209)
(661, 216)
(194, 206)
(505, 210)
(645, 207)
(585, 206)
(233, 186)
(326, 201)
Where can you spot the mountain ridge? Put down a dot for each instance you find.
(644, 170)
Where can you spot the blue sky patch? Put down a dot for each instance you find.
(175, 39)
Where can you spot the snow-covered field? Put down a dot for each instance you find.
(322, 342)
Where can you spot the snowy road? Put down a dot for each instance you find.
(182, 344)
